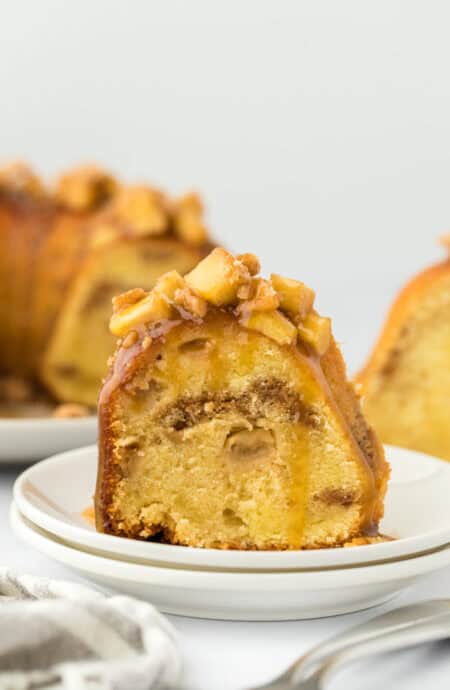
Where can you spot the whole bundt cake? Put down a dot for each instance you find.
(227, 420)
(64, 253)
(406, 381)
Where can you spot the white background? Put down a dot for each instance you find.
(317, 131)
(319, 135)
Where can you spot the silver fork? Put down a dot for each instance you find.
(403, 627)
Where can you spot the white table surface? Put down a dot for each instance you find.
(222, 655)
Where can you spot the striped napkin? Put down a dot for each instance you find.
(58, 635)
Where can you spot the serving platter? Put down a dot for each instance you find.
(54, 494)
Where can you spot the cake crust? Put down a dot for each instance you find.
(409, 366)
(58, 247)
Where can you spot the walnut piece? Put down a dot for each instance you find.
(191, 302)
(295, 297)
(218, 277)
(261, 296)
(316, 331)
(274, 325)
(251, 261)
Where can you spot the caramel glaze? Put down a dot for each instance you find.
(129, 360)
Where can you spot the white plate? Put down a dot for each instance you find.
(24, 440)
(54, 493)
(239, 595)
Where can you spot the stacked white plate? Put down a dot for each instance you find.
(51, 496)
(23, 440)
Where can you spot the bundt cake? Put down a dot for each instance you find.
(227, 420)
(64, 253)
(406, 381)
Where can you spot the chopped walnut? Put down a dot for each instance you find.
(193, 303)
(85, 187)
(251, 261)
(280, 308)
(262, 297)
(245, 291)
(69, 410)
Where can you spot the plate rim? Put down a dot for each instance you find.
(129, 571)
(27, 440)
(182, 556)
(40, 421)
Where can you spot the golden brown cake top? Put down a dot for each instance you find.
(280, 308)
(85, 187)
(119, 210)
(143, 211)
(18, 178)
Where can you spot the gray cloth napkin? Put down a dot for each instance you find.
(62, 636)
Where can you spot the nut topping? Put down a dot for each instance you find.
(280, 308)
(251, 261)
(260, 297)
(85, 188)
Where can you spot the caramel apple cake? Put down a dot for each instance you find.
(64, 253)
(406, 381)
(227, 420)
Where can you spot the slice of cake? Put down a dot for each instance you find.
(406, 382)
(227, 420)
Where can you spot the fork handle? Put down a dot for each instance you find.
(397, 619)
(432, 630)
